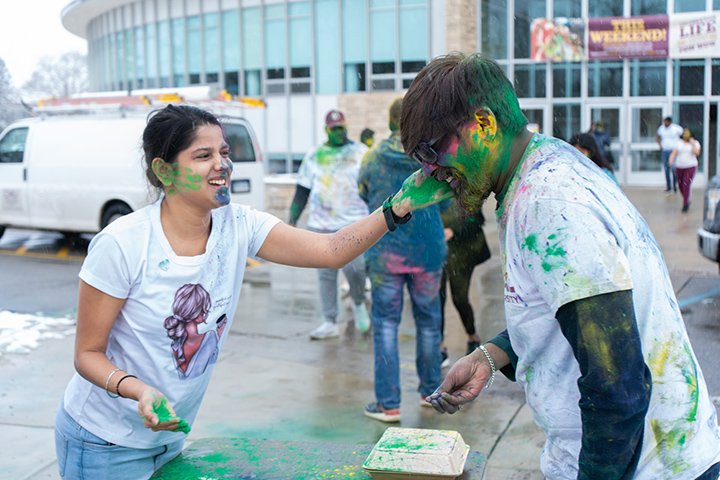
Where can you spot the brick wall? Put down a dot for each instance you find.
(460, 26)
(367, 110)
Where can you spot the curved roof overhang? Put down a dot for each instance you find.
(77, 15)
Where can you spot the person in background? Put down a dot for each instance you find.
(467, 248)
(412, 257)
(367, 137)
(594, 333)
(602, 140)
(684, 159)
(585, 143)
(155, 279)
(668, 136)
(327, 179)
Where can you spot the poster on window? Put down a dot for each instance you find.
(557, 40)
(610, 38)
(694, 35)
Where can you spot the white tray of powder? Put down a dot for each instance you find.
(417, 453)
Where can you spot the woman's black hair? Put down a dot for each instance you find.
(169, 131)
(587, 141)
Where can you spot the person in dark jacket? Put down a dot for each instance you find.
(412, 257)
(467, 248)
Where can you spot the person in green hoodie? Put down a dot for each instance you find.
(413, 257)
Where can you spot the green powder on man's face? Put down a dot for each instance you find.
(164, 415)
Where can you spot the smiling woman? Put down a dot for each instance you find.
(159, 290)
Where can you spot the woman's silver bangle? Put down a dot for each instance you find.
(492, 365)
(107, 383)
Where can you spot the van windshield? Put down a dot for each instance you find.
(241, 146)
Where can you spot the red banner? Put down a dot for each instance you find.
(628, 37)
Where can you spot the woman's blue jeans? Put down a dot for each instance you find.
(387, 306)
(84, 456)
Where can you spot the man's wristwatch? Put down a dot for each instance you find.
(392, 220)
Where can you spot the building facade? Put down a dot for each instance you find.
(304, 57)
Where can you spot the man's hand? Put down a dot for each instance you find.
(463, 383)
(420, 191)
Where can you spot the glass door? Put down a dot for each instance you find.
(610, 121)
(644, 165)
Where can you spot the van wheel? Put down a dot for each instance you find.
(2, 230)
(113, 212)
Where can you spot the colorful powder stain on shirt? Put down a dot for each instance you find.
(553, 254)
(163, 413)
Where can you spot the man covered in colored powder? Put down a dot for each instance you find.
(412, 257)
(594, 332)
(328, 179)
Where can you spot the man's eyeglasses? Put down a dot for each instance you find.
(425, 152)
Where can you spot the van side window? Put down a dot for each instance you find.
(241, 146)
(12, 146)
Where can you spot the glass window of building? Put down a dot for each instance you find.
(252, 41)
(648, 7)
(327, 48)
(525, 13)
(164, 49)
(129, 55)
(139, 58)
(494, 28)
(275, 49)
(605, 79)
(151, 53)
(231, 50)
(647, 78)
(689, 5)
(566, 80)
(530, 80)
(688, 77)
(605, 8)
(300, 54)
(566, 120)
(119, 63)
(567, 8)
(414, 31)
(178, 52)
(211, 45)
(715, 67)
(383, 44)
(194, 44)
(691, 115)
(354, 45)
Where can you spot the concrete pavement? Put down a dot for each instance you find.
(272, 382)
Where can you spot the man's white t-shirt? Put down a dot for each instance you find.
(331, 174)
(669, 136)
(567, 233)
(132, 259)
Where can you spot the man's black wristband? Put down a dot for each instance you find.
(392, 220)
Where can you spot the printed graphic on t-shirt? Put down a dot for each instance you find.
(194, 339)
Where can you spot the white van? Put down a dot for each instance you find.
(77, 173)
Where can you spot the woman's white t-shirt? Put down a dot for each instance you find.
(685, 157)
(132, 259)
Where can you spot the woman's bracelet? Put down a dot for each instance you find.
(107, 383)
(492, 365)
(117, 387)
(392, 220)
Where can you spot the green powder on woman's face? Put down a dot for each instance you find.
(163, 413)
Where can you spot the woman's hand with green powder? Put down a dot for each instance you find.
(419, 191)
(158, 414)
